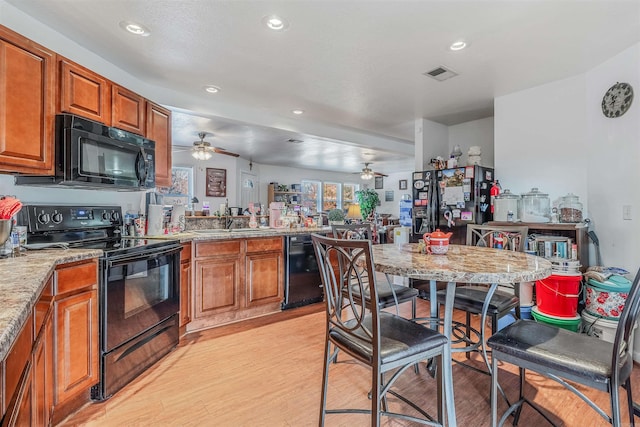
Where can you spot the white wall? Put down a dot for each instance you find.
(540, 137)
(476, 132)
(612, 168)
(555, 137)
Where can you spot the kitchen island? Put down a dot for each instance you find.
(49, 311)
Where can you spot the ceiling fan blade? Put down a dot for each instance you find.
(228, 153)
(380, 174)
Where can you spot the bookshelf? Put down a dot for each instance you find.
(288, 197)
(550, 235)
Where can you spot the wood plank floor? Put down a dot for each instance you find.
(267, 372)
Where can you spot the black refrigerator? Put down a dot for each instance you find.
(449, 199)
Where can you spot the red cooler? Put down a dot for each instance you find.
(557, 295)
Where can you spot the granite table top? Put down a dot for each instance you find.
(461, 264)
(21, 282)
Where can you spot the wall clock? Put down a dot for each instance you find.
(617, 100)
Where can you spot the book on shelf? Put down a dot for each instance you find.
(551, 246)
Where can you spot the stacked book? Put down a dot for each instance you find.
(552, 246)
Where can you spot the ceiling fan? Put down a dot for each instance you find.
(203, 150)
(367, 173)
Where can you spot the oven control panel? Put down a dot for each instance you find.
(55, 218)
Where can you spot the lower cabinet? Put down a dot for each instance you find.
(76, 344)
(53, 362)
(236, 279)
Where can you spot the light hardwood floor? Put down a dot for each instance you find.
(267, 372)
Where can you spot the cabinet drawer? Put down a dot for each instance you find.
(262, 245)
(71, 277)
(227, 247)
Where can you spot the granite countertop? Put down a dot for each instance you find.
(241, 233)
(461, 264)
(21, 281)
(23, 278)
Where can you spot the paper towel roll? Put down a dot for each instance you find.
(177, 217)
(154, 220)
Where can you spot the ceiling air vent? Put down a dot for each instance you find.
(441, 73)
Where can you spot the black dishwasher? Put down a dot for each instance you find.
(302, 278)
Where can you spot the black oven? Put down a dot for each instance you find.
(139, 302)
(139, 293)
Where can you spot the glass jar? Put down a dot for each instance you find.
(506, 206)
(570, 209)
(535, 206)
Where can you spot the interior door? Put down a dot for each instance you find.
(250, 189)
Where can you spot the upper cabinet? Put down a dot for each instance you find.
(159, 130)
(27, 105)
(84, 92)
(127, 110)
(35, 84)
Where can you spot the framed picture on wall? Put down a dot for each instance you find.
(402, 184)
(379, 183)
(216, 181)
(388, 196)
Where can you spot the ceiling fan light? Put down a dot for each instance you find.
(200, 153)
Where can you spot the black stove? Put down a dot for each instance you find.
(88, 226)
(138, 289)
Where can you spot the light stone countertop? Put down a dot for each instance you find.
(23, 278)
(21, 282)
(461, 264)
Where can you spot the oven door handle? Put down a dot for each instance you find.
(123, 259)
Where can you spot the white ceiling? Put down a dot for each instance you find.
(354, 66)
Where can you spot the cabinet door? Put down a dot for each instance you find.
(217, 285)
(42, 375)
(84, 92)
(127, 110)
(185, 284)
(159, 130)
(21, 411)
(27, 105)
(264, 273)
(76, 341)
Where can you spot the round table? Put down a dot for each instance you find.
(461, 264)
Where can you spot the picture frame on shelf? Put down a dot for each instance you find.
(402, 184)
(216, 182)
(378, 183)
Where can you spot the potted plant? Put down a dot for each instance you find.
(368, 200)
(336, 216)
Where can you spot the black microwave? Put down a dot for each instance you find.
(92, 155)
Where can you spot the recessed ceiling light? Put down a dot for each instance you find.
(135, 28)
(275, 22)
(212, 89)
(298, 112)
(459, 45)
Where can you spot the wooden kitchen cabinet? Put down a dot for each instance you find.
(236, 279)
(159, 130)
(75, 333)
(84, 92)
(185, 286)
(264, 269)
(218, 269)
(127, 110)
(27, 105)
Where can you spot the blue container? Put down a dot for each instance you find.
(505, 321)
(525, 312)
